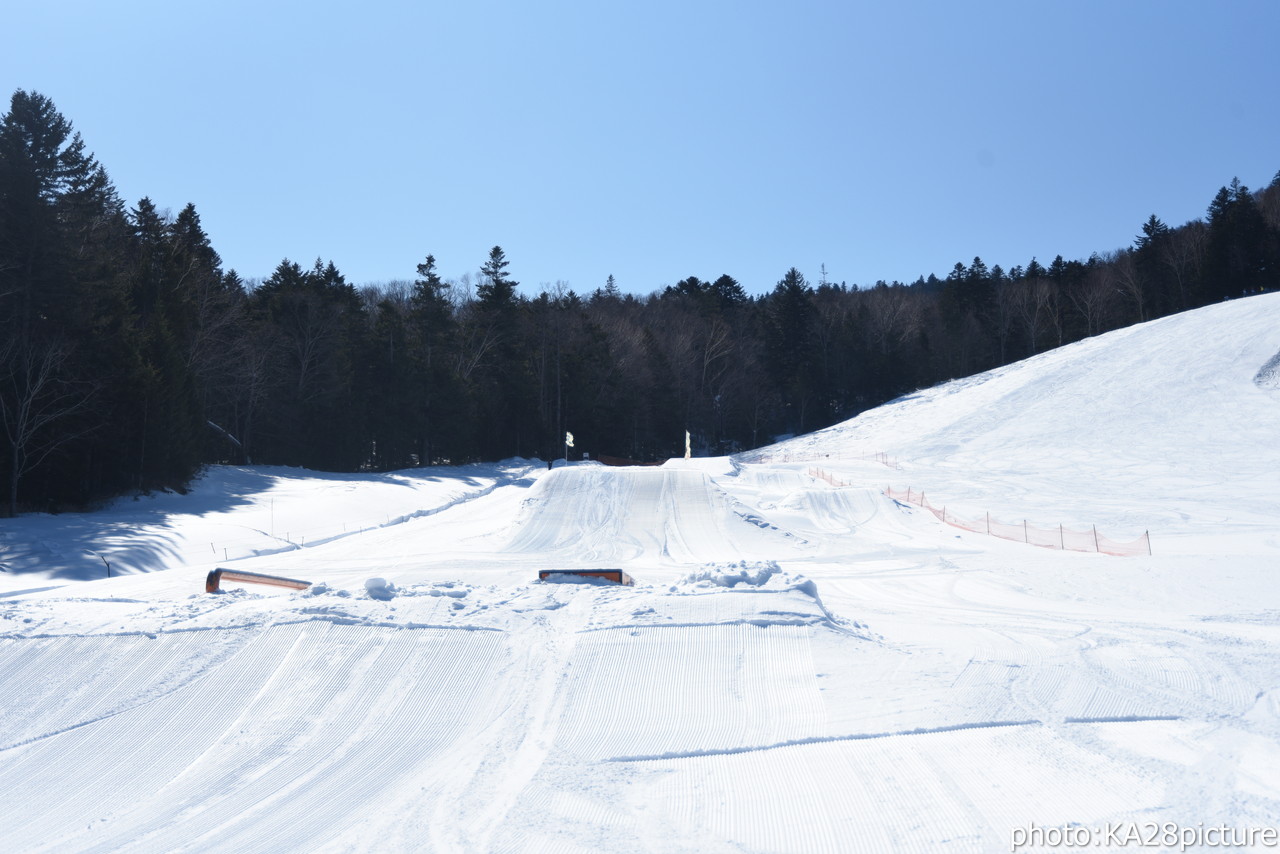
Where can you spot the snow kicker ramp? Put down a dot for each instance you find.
(637, 516)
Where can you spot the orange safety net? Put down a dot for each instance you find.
(819, 474)
(1061, 537)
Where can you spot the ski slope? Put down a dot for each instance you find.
(800, 666)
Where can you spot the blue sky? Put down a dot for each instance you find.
(661, 140)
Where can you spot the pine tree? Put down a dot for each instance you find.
(501, 387)
(1237, 256)
(496, 291)
(430, 309)
(59, 221)
(1151, 248)
(729, 293)
(789, 347)
(315, 323)
(439, 416)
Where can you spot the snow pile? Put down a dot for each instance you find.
(380, 589)
(800, 600)
(1268, 376)
(745, 573)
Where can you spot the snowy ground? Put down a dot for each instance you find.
(801, 667)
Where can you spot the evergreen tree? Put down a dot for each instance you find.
(1238, 259)
(430, 309)
(729, 293)
(497, 290)
(501, 386)
(790, 350)
(160, 422)
(1151, 248)
(440, 417)
(315, 322)
(60, 221)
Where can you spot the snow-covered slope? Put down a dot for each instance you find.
(1172, 426)
(229, 514)
(800, 667)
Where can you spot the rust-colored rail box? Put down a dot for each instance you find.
(213, 582)
(617, 576)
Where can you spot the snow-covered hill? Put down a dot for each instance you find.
(800, 667)
(1172, 426)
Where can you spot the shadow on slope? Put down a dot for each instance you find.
(146, 533)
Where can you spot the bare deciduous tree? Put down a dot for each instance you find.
(1092, 298)
(1183, 254)
(34, 395)
(894, 316)
(1131, 281)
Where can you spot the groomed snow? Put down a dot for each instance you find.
(800, 667)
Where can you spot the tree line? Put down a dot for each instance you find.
(129, 357)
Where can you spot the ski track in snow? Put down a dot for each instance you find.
(800, 668)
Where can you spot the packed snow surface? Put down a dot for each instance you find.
(801, 667)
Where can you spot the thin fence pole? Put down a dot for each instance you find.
(1147, 534)
(1096, 547)
(1025, 538)
(1062, 539)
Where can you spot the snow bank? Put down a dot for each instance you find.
(1268, 376)
(747, 573)
(380, 588)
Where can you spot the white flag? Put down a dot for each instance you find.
(568, 439)
(688, 454)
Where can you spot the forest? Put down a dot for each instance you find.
(129, 358)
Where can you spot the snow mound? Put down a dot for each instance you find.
(380, 588)
(1268, 375)
(762, 577)
(1265, 713)
(745, 573)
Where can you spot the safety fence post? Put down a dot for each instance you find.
(1025, 538)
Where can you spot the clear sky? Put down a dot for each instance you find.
(659, 140)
